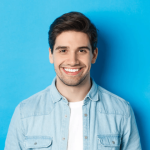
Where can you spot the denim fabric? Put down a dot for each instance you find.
(41, 122)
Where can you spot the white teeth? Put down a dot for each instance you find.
(71, 70)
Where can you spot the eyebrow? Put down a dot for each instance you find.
(65, 47)
(84, 47)
(61, 47)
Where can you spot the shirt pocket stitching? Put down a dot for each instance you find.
(38, 141)
(109, 140)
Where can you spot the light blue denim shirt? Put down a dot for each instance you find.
(41, 122)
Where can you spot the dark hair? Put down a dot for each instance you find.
(74, 21)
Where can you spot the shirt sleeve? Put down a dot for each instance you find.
(15, 132)
(131, 138)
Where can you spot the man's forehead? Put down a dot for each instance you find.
(72, 38)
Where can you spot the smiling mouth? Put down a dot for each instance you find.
(73, 71)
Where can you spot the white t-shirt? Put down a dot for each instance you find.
(75, 139)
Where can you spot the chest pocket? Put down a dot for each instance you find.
(109, 142)
(38, 143)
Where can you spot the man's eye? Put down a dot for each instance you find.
(63, 51)
(82, 51)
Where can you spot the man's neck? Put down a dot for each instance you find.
(74, 93)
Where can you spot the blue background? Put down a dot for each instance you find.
(123, 65)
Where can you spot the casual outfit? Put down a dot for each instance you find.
(47, 121)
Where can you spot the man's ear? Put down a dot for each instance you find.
(50, 56)
(95, 54)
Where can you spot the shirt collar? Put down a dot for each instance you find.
(56, 96)
(92, 94)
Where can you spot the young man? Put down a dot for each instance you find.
(73, 113)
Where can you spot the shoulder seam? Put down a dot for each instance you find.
(36, 94)
(123, 115)
(113, 95)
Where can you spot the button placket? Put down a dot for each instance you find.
(85, 115)
(63, 139)
(85, 127)
(65, 126)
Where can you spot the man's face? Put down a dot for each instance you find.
(72, 57)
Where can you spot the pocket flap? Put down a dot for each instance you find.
(109, 139)
(37, 141)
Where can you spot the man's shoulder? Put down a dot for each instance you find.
(37, 96)
(37, 104)
(112, 104)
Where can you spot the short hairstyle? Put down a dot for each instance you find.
(72, 21)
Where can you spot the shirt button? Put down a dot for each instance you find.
(65, 116)
(113, 142)
(86, 137)
(35, 143)
(63, 138)
(85, 115)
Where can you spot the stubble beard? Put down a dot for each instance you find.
(71, 82)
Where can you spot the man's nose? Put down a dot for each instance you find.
(73, 59)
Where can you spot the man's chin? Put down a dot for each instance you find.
(71, 82)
